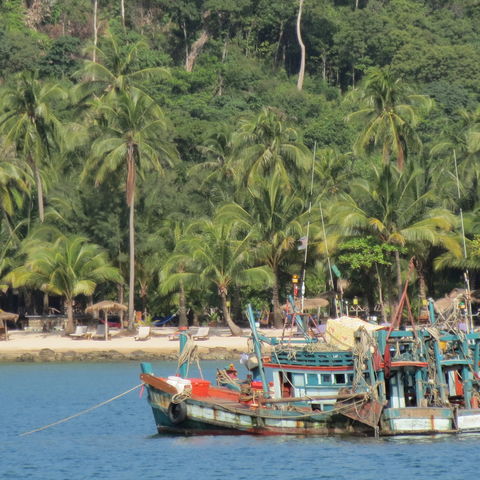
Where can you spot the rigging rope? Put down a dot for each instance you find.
(66, 419)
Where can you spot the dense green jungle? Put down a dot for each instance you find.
(192, 156)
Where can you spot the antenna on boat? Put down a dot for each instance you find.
(304, 270)
(465, 273)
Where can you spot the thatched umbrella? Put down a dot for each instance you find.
(317, 302)
(4, 318)
(308, 303)
(107, 306)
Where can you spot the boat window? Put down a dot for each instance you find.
(326, 379)
(339, 378)
(312, 379)
(299, 379)
(350, 378)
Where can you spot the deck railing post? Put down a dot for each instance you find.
(258, 351)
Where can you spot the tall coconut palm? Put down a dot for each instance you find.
(264, 144)
(275, 218)
(396, 208)
(388, 115)
(211, 254)
(68, 266)
(114, 69)
(133, 139)
(29, 122)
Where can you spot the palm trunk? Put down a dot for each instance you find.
(301, 72)
(399, 274)
(131, 178)
(183, 320)
(380, 295)
(131, 280)
(95, 31)
(234, 328)
(279, 43)
(46, 303)
(70, 326)
(277, 314)
(422, 285)
(121, 294)
(38, 181)
(195, 320)
(122, 12)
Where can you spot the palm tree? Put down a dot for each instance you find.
(173, 230)
(114, 69)
(68, 266)
(397, 208)
(13, 186)
(388, 115)
(28, 122)
(264, 145)
(217, 149)
(211, 254)
(461, 144)
(275, 218)
(134, 140)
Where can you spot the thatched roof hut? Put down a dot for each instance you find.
(106, 306)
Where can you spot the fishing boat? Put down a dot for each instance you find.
(312, 393)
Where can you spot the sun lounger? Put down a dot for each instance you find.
(202, 333)
(143, 333)
(100, 332)
(80, 332)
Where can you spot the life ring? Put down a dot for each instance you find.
(177, 412)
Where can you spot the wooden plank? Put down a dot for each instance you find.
(158, 383)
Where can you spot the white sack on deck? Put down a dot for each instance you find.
(340, 332)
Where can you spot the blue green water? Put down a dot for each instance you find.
(119, 441)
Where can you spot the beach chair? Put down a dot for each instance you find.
(143, 333)
(80, 332)
(100, 332)
(202, 333)
(3, 330)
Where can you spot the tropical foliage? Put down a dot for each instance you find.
(194, 112)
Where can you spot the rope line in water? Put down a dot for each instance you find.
(66, 419)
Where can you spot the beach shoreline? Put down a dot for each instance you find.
(55, 347)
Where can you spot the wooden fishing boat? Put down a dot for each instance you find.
(314, 395)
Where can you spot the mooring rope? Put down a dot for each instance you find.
(66, 419)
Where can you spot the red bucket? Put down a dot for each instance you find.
(200, 387)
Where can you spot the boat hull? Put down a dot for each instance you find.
(209, 416)
(417, 421)
(468, 420)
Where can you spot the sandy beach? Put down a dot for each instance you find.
(47, 347)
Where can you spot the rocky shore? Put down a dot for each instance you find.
(48, 355)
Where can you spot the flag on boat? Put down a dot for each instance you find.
(303, 242)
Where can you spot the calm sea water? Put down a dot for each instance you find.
(118, 441)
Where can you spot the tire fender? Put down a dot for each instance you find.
(177, 413)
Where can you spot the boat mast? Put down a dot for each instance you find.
(304, 271)
(465, 273)
(257, 348)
